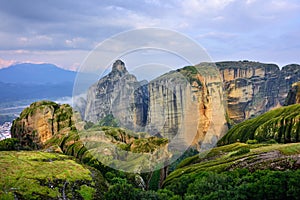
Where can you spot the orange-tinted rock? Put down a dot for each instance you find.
(40, 121)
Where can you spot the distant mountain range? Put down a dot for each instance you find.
(27, 81)
(28, 73)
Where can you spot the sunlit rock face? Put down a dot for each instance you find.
(41, 121)
(252, 88)
(177, 105)
(193, 105)
(120, 95)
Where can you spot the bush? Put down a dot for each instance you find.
(251, 142)
(241, 151)
(9, 144)
(109, 120)
(120, 191)
(271, 141)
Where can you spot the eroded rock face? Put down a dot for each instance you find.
(188, 105)
(40, 121)
(178, 105)
(253, 88)
(194, 104)
(293, 95)
(118, 94)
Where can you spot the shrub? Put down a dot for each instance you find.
(251, 142)
(9, 144)
(271, 141)
(241, 151)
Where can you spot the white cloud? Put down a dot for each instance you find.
(6, 63)
(223, 26)
(196, 7)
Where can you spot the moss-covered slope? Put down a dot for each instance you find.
(99, 146)
(40, 175)
(282, 125)
(239, 155)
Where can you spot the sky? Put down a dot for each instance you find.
(65, 32)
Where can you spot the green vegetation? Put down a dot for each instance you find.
(281, 125)
(9, 144)
(241, 151)
(40, 175)
(122, 190)
(238, 184)
(109, 120)
(147, 145)
(190, 73)
(36, 105)
(214, 174)
(238, 155)
(245, 65)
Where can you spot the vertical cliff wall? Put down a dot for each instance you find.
(253, 88)
(120, 95)
(40, 121)
(193, 104)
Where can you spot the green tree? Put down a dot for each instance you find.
(121, 191)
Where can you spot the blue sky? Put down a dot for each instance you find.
(64, 32)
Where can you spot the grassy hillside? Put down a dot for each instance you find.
(41, 175)
(281, 125)
(111, 145)
(239, 171)
(239, 155)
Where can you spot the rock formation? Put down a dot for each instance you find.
(177, 105)
(118, 94)
(293, 95)
(253, 88)
(40, 121)
(182, 103)
(194, 104)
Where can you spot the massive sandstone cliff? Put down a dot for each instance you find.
(40, 121)
(179, 105)
(192, 105)
(183, 104)
(253, 88)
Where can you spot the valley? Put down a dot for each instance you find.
(234, 125)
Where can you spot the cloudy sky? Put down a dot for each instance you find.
(63, 32)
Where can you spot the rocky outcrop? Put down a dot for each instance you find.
(40, 121)
(253, 88)
(178, 105)
(118, 94)
(183, 104)
(293, 95)
(193, 104)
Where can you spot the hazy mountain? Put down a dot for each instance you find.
(36, 74)
(19, 91)
(27, 81)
